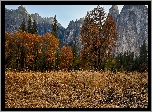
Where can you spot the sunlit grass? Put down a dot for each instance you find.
(80, 89)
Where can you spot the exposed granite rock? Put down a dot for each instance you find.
(13, 20)
(132, 25)
(114, 11)
(72, 33)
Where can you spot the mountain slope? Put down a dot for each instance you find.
(132, 25)
(13, 20)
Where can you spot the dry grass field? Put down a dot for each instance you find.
(79, 89)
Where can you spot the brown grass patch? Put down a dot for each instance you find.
(80, 89)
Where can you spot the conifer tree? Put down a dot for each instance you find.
(23, 26)
(55, 33)
(143, 57)
(34, 28)
(143, 53)
(74, 49)
(55, 27)
(76, 60)
(29, 27)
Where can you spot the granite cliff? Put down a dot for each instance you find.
(132, 26)
(131, 22)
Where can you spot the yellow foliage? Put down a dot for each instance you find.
(66, 57)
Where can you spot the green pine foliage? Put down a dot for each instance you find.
(127, 61)
(34, 28)
(55, 33)
(29, 27)
(76, 61)
(143, 53)
(23, 26)
(55, 27)
(143, 58)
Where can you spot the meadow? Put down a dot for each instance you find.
(76, 89)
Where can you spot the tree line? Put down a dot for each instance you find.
(25, 49)
(128, 61)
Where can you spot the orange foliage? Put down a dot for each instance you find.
(51, 44)
(98, 37)
(66, 57)
(30, 46)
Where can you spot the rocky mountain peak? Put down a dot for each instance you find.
(22, 8)
(114, 11)
(132, 26)
(131, 23)
(115, 7)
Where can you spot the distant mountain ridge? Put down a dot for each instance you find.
(13, 20)
(132, 25)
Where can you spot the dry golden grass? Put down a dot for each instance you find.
(79, 89)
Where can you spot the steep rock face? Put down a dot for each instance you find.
(72, 33)
(132, 25)
(13, 20)
(114, 11)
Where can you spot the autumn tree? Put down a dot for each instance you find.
(9, 47)
(26, 50)
(98, 36)
(23, 48)
(49, 46)
(13, 49)
(33, 46)
(66, 57)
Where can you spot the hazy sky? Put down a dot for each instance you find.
(64, 13)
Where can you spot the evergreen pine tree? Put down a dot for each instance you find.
(23, 26)
(55, 27)
(76, 60)
(143, 53)
(34, 28)
(55, 33)
(143, 57)
(29, 27)
(136, 63)
(74, 50)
